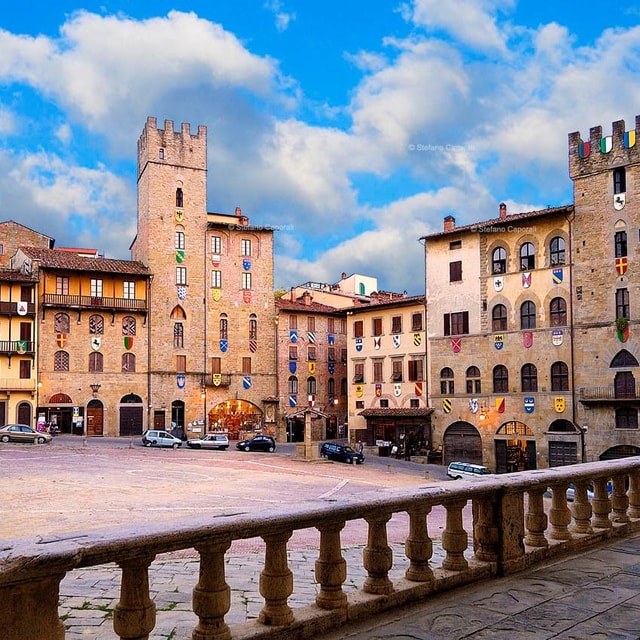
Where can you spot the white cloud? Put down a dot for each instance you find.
(283, 18)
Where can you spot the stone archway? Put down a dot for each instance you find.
(462, 442)
(235, 418)
(515, 447)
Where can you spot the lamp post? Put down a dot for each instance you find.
(203, 395)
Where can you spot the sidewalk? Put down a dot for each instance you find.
(591, 595)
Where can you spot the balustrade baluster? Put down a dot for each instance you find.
(276, 581)
(378, 556)
(454, 537)
(581, 509)
(212, 595)
(634, 494)
(536, 520)
(485, 532)
(601, 505)
(559, 514)
(418, 546)
(331, 568)
(619, 501)
(134, 617)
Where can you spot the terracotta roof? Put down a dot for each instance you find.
(401, 300)
(11, 275)
(406, 412)
(509, 219)
(54, 259)
(299, 305)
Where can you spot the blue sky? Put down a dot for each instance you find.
(354, 126)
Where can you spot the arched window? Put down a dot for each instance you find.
(620, 244)
(559, 377)
(253, 327)
(96, 361)
(312, 386)
(224, 326)
(558, 312)
(528, 315)
(446, 381)
(529, 377)
(557, 251)
(499, 261)
(128, 326)
(61, 361)
(96, 324)
(499, 318)
(128, 362)
(473, 380)
(331, 386)
(179, 198)
(624, 359)
(62, 323)
(292, 384)
(500, 379)
(179, 240)
(527, 257)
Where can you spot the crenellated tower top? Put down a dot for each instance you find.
(600, 153)
(167, 146)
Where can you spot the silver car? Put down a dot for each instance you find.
(210, 441)
(159, 438)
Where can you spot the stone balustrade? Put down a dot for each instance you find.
(511, 531)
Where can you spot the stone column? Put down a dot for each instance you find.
(377, 556)
(601, 505)
(485, 531)
(559, 514)
(419, 546)
(536, 520)
(454, 537)
(276, 581)
(634, 494)
(581, 509)
(135, 614)
(331, 568)
(619, 501)
(212, 595)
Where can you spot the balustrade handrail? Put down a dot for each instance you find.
(509, 534)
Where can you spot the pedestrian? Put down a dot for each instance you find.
(360, 446)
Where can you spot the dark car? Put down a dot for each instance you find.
(257, 443)
(341, 453)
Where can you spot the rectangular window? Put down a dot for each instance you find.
(358, 329)
(62, 285)
(25, 369)
(384, 403)
(216, 245)
(376, 327)
(246, 280)
(312, 353)
(216, 279)
(96, 288)
(293, 353)
(396, 374)
(358, 372)
(216, 365)
(455, 244)
(331, 354)
(181, 364)
(178, 335)
(179, 239)
(396, 324)
(455, 271)
(246, 366)
(456, 324)
(129, 290)
(181, 275)
(359, 404)
(293, 322)
(311, 323)
(377, 370)
(25, 294)
(343, 326)
(416, 322)
(416, 370)
(61, 361)
(622, 303)
(331, 325)
(343, 356)
(245, 246)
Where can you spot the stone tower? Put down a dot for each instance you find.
(605, 170)
(170, 240)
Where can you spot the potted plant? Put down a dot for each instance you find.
(622, 328)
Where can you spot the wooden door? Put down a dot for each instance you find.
(95, 414)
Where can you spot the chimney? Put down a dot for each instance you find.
(449, 223)
(344, 275)
(503, 211)
(293, 294)
(238, 212)
(306, 299)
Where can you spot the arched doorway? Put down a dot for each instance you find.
(565, 443)
(621, 451)
(131, 415)
(95, 415)
(177, 413)
(24, 414)
(462, 442)
(59, 412)
(234, 417)
(515, 448)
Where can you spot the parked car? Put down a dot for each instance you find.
(210, 441)
(22, 433)
(157, 438)
(341, 453)
(466, 471)
(257, 443)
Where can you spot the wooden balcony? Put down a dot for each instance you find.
(218, 380)
(17, 384)
(608, 395)
(93, 302)
(17, 347)
(11, 309)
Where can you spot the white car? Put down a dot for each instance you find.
(158, 438)
(210, 441)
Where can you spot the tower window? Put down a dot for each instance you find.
(619, 180)
(161, 154)
(557, 251)
(527, 257)
(499, 261)
(622, 303)
(620, 239)
(179, 198)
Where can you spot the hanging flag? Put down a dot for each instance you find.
(527, 339)
(500, 403)
(331, 367)
(378, 389)
(217, 379)
(181, 380)
(246, 295)
(61, 339)
(584, 149)
(179, 256)
(498, 341)
(312, 368)
(331, 339)
(557, 337)
(246, 382)
(446, 405)
(246, 264)
(622, 264)
(529, 404)
(216, 294)
(253, 345)
(376, 343)
(359, 344)
(224, 345)
(606, 144)
(293, 335)
(456, 345)
(629, 139)
(293, 399)
(417, 339)
(311, 336)
(397, 389)
(557, 276)
(417, 387)
(396, 340)
(559, 404)
(526, 279)
(292, 366)
(181, 291)
(128, 342)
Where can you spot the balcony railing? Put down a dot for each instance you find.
(607, 394)
(509, 531)
(218, 380)
(17, 384)
(11, 308)
(17, 347)
(93, 302)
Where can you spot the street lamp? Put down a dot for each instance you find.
(203, 395)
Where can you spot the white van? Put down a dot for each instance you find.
(466, 470)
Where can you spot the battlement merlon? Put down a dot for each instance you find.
(167, 146)
(600, 153)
